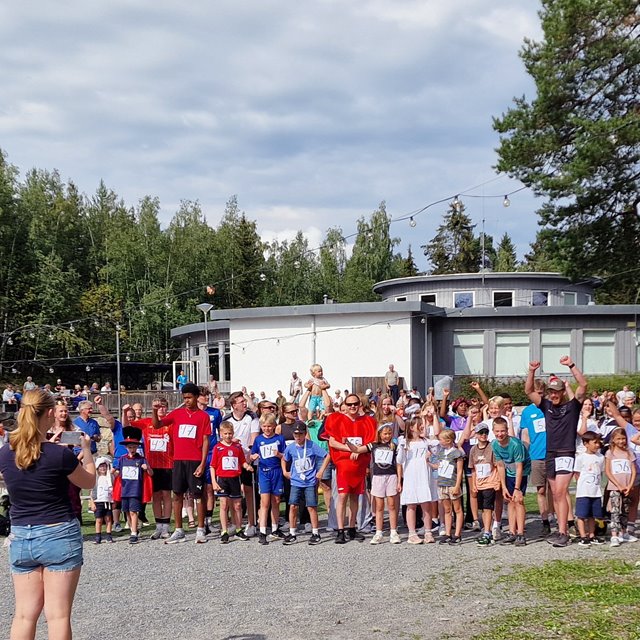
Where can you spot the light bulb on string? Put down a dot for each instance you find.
(296, 264)
(118, 327)
(50, 369)
(32, 335)
(167, 356)
(142, 311)
(51, 336)
(72, 329)
(167, 305)
(128, 358)
(263, 277)
(96, 323)
(9, 341)
(14, 370)
(457, 203)
(87, 368)
(506, 202)
(412, 222)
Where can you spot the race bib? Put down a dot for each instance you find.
(483, 470)
(187, 431)
(383, 456)
(268, 450)
(229, 463)
(355, 440)
(539, 425)
(458, 435)
(620, 467)
(589, 478)
(130, 473)
(158, 444)
(445, 469)
(303, 464)
(564, 463)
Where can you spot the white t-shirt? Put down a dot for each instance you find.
(590, 467)
(243, 428)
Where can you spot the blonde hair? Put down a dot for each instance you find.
(498, 400)
(26, 439)
(448, 434)
(315, 367)
(268, 418)
(226, 426)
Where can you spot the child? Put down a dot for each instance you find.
(102, 499)
(588, 471)
(316, 385)
(268, 449)
(130, 469)
(227, 461)
(414, 477)
(305, 457)
(450, 466)
(485, 480)
(621, 471)
(514, 466)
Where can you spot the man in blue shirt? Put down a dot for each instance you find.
(181, 380)
(87, 424)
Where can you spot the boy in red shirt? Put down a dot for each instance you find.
(227, 461)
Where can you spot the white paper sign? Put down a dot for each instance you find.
(158, 444)
(130, 473)
(564, 463)
(445, 469)
(355, 440)
(483, 470)
(383, 456)
(268, 450)
(187, 431)
(229, 463)
(620, 467)
(539, 425)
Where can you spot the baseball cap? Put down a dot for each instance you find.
(482, 426)
(300, 428)
(555, 383)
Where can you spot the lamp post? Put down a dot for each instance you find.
(205, 307)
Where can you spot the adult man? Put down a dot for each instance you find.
(280, 400)
(245, 429)
(190, 428)
(295, 387)
(181, 380)
(561, 417)
(351, 468)
(391, 380)
(89, 425)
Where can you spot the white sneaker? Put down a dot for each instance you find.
(201, 537)
(156, 534)
(176, 536)
(615, 542)
(496, 532)
(627, 537)
(377, 539)
(442, 531)
(117, 527)
(394, 538)
(250, 531)
(308, 528)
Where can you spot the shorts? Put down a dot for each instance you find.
(183, 480)
(103, 509)
(271, 481)
(384, 486)
(229, 488)
(310, 496)
(559, 463)
(587, 507)
(246, 478)
(161, 480)
(316, 403)
(446, 493)
(486, 499)
(510, 481)
(55, 547)
(131, 505)
(538, 475)
(349, 482)
(328, 473)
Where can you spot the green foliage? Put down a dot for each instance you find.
(505, 255)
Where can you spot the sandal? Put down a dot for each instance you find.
(192, 524)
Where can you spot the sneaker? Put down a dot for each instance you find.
(133, 538)
(394, 538)
(468, 526)
(510, 538)
(377, 538)
(428, 538)
(444, 539)
(553, 537)
(117, 527)
(97, 539)
(562, 540)
(475, 526)
(414, 538)
(242, 536)
(232, 529)
(596, 540)
(521, 541)
(484, 541)
(156, 534)
(143, 522)
(291, 539)
(615, 542)
(442, 531)
(176, 537)
(496, 532)
(262, 538)
(109, 538)
(224, 538)
(315, 539)
(546, 528)
(455, 540)
(355, 535)
(308, 528)
(250, 531)
(165, 532)
(627, 537)
(201, 536)
(277, 535)
(584, 542)
(340, 538)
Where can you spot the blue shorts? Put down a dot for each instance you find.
(511, 484)
(328, 472)
(271, 481)
(131, 505)
(310, 496)
(588, 508)
(55, 547)
(316, 403)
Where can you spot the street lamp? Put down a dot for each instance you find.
(205, 307)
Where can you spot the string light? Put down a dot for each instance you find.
(50, 369)
(412, 222)
(506, 202)
(263, 277)
(9, 341)
(87, 368)
(457, 203)
(32, 335)
(72, 329)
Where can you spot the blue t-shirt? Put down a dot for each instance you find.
(131, 475)
(215, 417)
(532, 419)
(181, 380)
(514, 452)
(305, 462)
(267, 449)
(91, 428)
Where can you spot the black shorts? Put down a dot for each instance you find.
(486, 499)
(229, 488)
(246, 478)
(161, 480)
(103, 509)
(183, 479)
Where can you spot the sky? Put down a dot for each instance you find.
(312, 112)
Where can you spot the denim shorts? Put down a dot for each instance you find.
(56, 547)
(309, 493)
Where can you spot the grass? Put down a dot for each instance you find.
(594, 600)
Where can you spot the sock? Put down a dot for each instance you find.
(412, 532)
(392, 531)
(496, 523)
(263, 530)
(314, 532)
(292, 531)
(545, 521)
(179, 530)
(209, 513)
(378, 532)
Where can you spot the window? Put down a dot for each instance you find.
(589, 298)
(467, 349)
(463, 299)
(429, 298)
(539, 298)
(553, 345)
(503, 298)
(401, 298)
(569, 297)
(598, 351)
(512, 353)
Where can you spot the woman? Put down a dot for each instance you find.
(218, 400)
(46, 541)
(387, 415)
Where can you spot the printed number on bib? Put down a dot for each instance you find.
(383, 456)
(158, 444)
(229, 463)
(303, 464)
(445, 469)
(620, 467)
(130, 473)
(355, 440)
(539, 425)
(564, 463)
(187, 431)
(483, 470)
(268, 450)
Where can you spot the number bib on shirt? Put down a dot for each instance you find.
(620, 467)
(130, 473)
(445, 469)
(564, 463)
(187, 431)
(158, 444)
(483, 470)
(229, 463)
(355, 440)
(268, 450)
(383, 456)
(539, 425)
(303, 464)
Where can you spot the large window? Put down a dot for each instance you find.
(569, 298)
(503, 298)
(539, 298)
(467, 348)
(463, 299)
(512, 353)
(598, 351)
(553, 345)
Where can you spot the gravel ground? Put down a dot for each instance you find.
(246, 591)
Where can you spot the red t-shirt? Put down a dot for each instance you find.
(158, 445)
(188, 430)
(360, 431)
(227, 459)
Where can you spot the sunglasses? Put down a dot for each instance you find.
(352, 404)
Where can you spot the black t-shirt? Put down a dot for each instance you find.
(39, 494)
(561, 424)
(383, 459)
